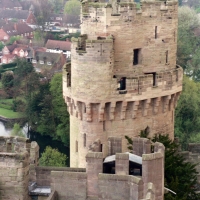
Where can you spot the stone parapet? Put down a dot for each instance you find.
(14, 175)
(122, 164)
(141, 146)
(153, 171)
(14, 144)
(43, 174)
(69, 185)
(34, 161)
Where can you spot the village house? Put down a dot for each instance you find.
(16, 29)
(57, 46)
(8, 58)
(43, 61)
(56, 19)
(10, 5)
(17, 16)
(11, 52)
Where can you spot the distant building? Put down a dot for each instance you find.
(16, 29)
(48, 61)
(17, 16)
(10, 52)
(8, 58)
(57, 46)
(10, 5)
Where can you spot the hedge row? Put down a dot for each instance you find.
(6, 106)
(9, 65)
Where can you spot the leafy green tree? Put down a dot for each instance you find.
(188, 51)
(38, 36)
(57, 5)
(13, 39)
(60, 108)
(22, 75)
(47, 112)
(7, 82)
(187, 117)
(42, 11)
(52, 157)
(180, 2)
(34, 107)
(72, 7)
(1, 46)
(17, 131)
(180, 175)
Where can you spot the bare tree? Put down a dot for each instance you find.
(42, 12)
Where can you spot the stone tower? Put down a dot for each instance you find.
(123, 75)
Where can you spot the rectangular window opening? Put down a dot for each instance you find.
(76, 146)
(84, 108)
(68, 80)
(174, 36)
(104, 126)
(156, 35)
(101, 147)
(166, 56)
(176, 75)
(84, 140)
(136, 56)
(154, 79)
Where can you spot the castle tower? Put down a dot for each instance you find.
(123, 75)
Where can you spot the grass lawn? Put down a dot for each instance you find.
(9, 113)
(6, 100)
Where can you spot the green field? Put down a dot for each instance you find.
(6, 100)
(9, 113)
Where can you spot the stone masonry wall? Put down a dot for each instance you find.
(119, 119)
(34, 161)
(120, 187)
(153, 170)
(14, 144)
(69, 185)
(43, 174)
(14, 168)
(14, 171)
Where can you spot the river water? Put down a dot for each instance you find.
(3, 130)
(6, 131)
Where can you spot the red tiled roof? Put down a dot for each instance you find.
(17, 29)
(13, 46)
(57, 44)
(23, 28)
